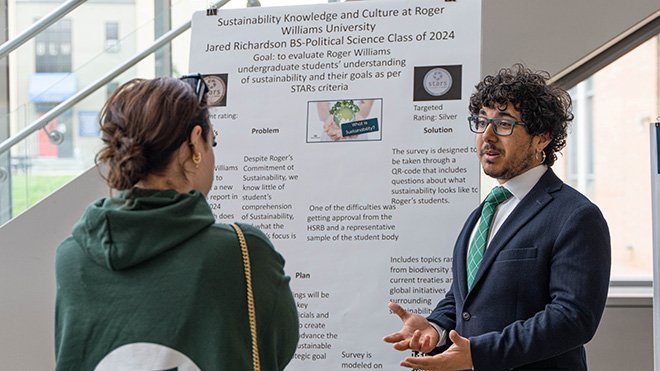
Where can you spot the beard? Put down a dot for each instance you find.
(512, 166)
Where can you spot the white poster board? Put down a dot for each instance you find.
(343, 136)
(655, 195)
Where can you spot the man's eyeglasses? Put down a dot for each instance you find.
(501, 126)
(198, 84)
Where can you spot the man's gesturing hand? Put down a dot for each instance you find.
(416, 333)
(457, 357)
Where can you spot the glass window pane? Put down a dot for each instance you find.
(53, 48)
(610, 137)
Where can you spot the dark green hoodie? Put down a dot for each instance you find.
(147, 281)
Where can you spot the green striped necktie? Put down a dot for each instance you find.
(476, 253)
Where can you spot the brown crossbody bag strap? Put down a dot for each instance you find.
(250, 297)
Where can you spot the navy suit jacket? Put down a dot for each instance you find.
(541, 288)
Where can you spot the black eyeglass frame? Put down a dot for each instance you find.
(196, 81)
(473, 121)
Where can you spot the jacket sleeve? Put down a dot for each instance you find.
(444, 314)
(285, 326)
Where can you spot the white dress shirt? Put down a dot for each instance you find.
(519, 186)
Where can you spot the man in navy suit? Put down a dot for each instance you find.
(537, 288)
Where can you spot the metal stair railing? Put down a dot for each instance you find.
(39, 26)
(70, 102)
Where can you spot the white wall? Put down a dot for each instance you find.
(27, 285)
(624, 340)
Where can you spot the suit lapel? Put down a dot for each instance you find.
(462, 244)
(537, 198)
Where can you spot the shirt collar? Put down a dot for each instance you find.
(521, 184)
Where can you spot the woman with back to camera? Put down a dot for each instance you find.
(147, 281)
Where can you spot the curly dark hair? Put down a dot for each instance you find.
(544, 108)
(143, 123)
